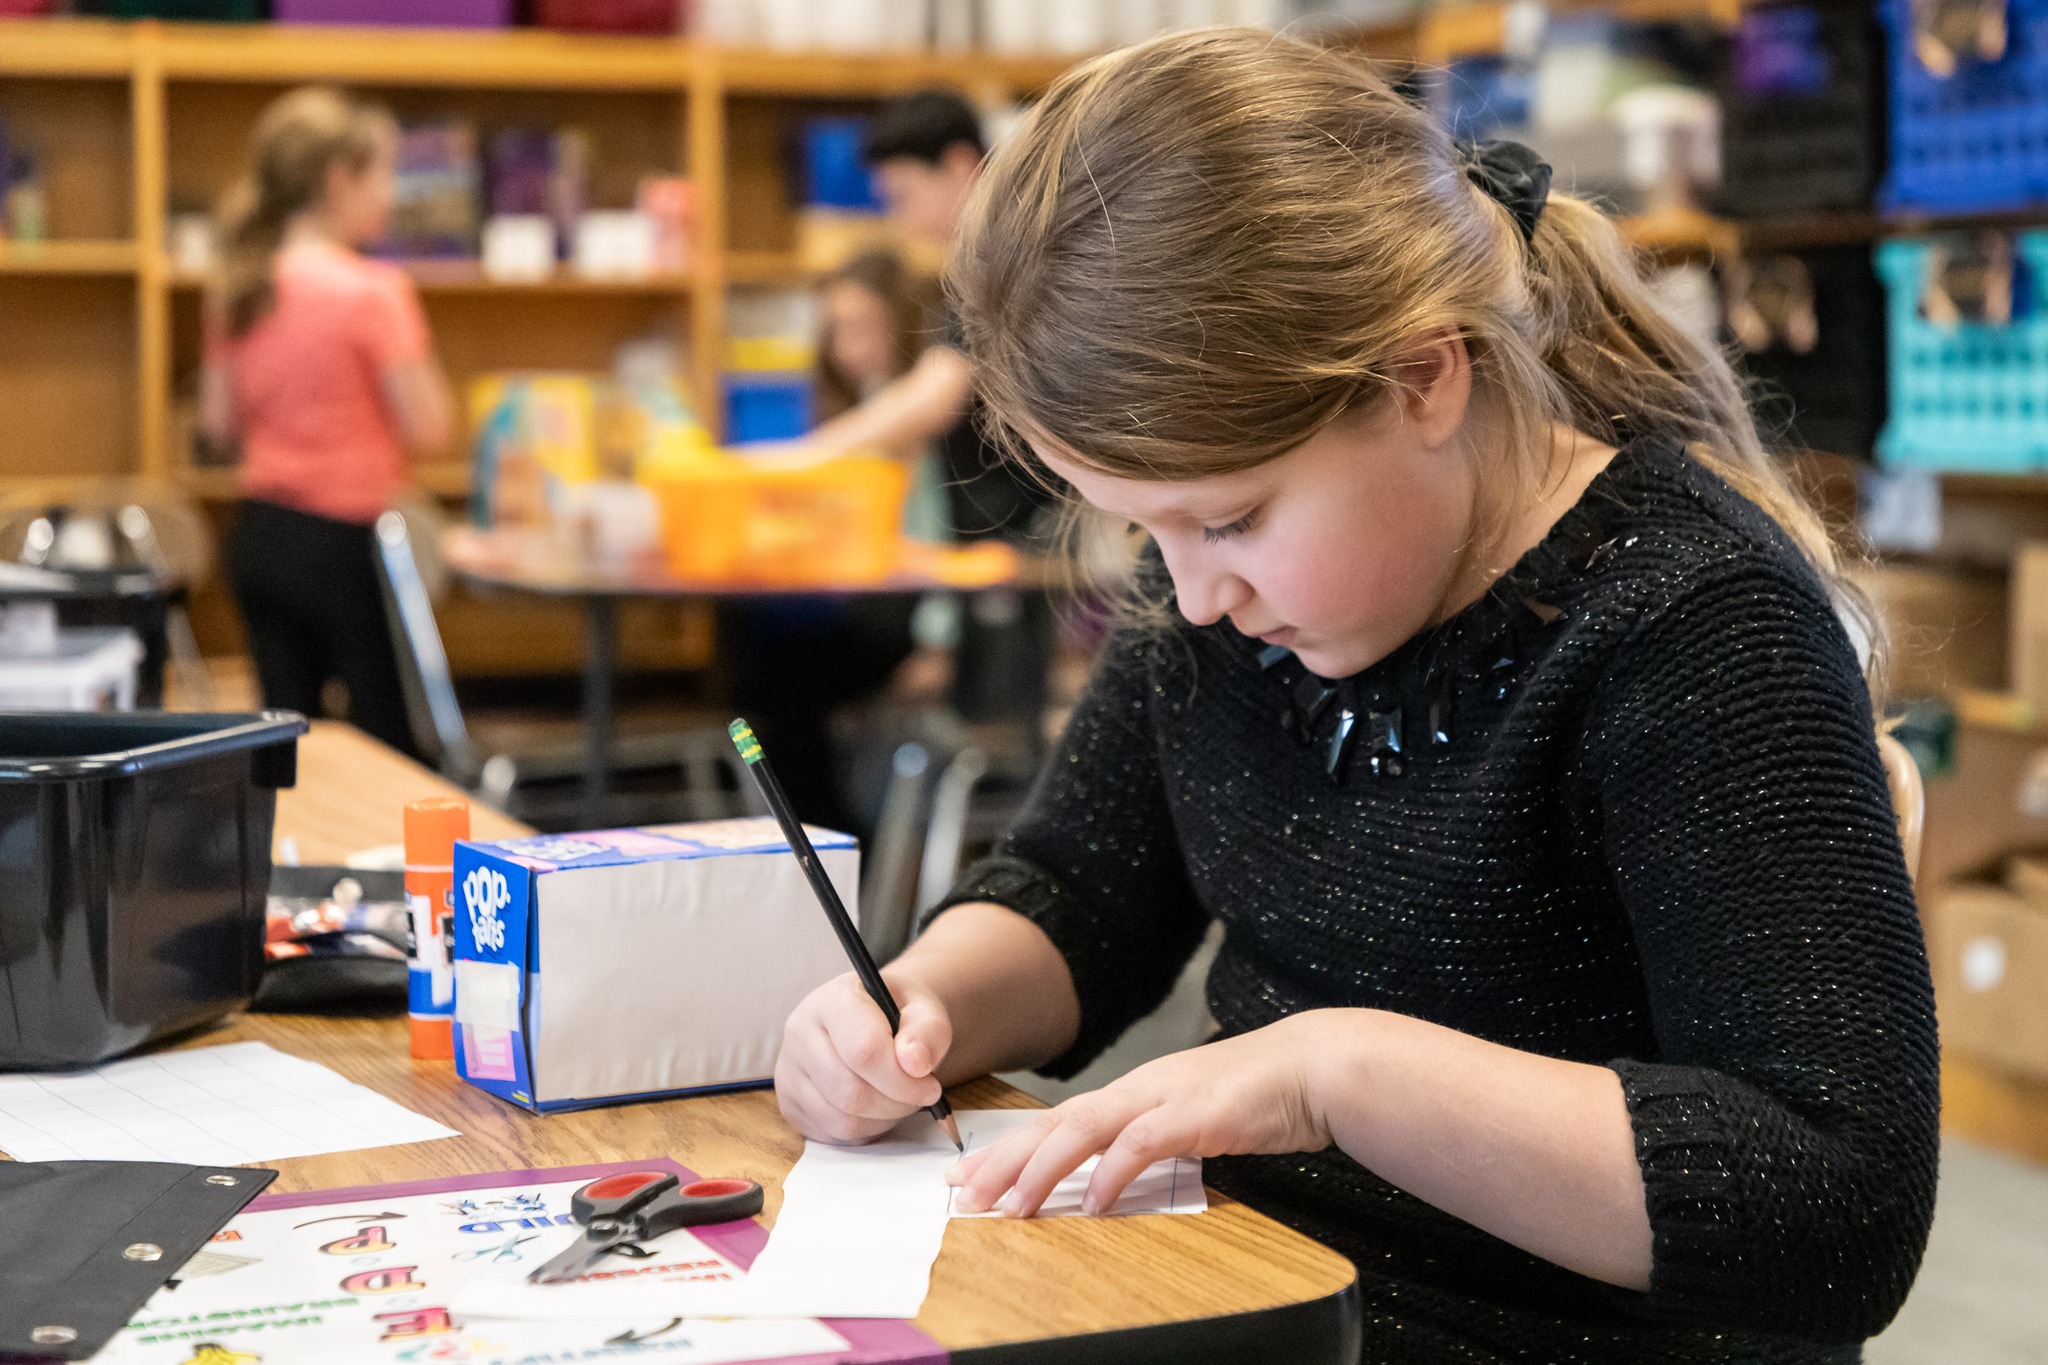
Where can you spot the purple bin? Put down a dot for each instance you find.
(402, 13)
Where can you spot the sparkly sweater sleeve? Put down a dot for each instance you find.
(1787, 1127)
(1094, 861)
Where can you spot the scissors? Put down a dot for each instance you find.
(621, 1211)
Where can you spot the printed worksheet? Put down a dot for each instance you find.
(354, 1277)
(233, 1105)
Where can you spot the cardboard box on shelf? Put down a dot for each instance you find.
(1989, 949)
(2029, 650)
(1989, 804)
(1949, 628)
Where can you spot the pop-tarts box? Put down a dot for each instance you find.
(632, 964)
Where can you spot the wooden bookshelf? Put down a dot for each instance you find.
(134, 119)
(98, 363)
(69, 258)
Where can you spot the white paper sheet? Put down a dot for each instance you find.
(856, 1237)
(1172, 1186)
(213, 1106)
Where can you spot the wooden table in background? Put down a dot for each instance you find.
(540, 563)
(1229, 1284)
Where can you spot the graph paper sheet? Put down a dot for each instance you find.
(213, 1106)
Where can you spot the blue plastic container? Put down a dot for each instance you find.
(1978, 141)
(1973, 398)
(1477, 96)
(835, 172)
(767, 406)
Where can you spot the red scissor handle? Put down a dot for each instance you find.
(649, 1203)
(619, 1196)
(706, 1201)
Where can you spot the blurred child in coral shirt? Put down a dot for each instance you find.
(320, 363)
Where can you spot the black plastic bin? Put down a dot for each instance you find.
(1802, 107)
(134, 865)
(1832, 398)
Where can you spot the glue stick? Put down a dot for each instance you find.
(431, 828)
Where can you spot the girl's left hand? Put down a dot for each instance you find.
(1241, 1095)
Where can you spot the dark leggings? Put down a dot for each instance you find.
(314, 611)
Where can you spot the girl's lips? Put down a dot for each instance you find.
(1283, 636)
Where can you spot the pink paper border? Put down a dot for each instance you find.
(875, 1341)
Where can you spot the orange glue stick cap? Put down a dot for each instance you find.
(431, 828)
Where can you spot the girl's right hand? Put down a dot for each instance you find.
(841, 1078)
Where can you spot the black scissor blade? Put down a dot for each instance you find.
(585, 1252)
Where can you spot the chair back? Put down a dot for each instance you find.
(430, 703)
(889, 873)
(1909, 797)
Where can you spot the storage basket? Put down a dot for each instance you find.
(1475, 97)
(767, 406)
(133, 876)
(397, 13)
(1976, 142)
(242, 11)
(1802, 115)
(611, 16)
(1832, 397)
(837, 524)
(1971, 398)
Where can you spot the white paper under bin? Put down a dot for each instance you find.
(635, 964)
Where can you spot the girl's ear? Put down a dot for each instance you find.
(1436, 388)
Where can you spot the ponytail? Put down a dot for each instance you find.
(298, 139)
(1624, 366)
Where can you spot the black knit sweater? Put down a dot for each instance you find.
(1628, 810)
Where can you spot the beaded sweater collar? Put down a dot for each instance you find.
(1410, 699)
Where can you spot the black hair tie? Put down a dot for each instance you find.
(1512, 175)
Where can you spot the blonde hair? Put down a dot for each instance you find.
(300, 137)
(1195, 253)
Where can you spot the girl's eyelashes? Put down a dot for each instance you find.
(1212, 534)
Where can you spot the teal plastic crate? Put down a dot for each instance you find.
(1973, 398)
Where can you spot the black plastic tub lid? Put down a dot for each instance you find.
(64, 746)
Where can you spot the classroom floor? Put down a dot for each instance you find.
(1980, 1298)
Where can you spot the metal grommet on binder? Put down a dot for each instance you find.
(53, 1336)
(144, 1251)
(222, 1180)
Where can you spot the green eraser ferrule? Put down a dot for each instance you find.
(743, 740)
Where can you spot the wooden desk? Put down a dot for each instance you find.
(1229, 1284)
(351, 795)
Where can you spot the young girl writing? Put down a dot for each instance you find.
(1571, 982)
(320, 363)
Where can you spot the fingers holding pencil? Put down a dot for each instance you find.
(867, 974)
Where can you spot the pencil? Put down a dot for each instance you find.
(835, 910)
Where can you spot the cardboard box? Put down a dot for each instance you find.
(1991, 803)
(2029, 648)
(1949, 628)
(1989, 949)
(635, 964)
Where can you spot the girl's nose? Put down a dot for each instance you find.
(1206, 598)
